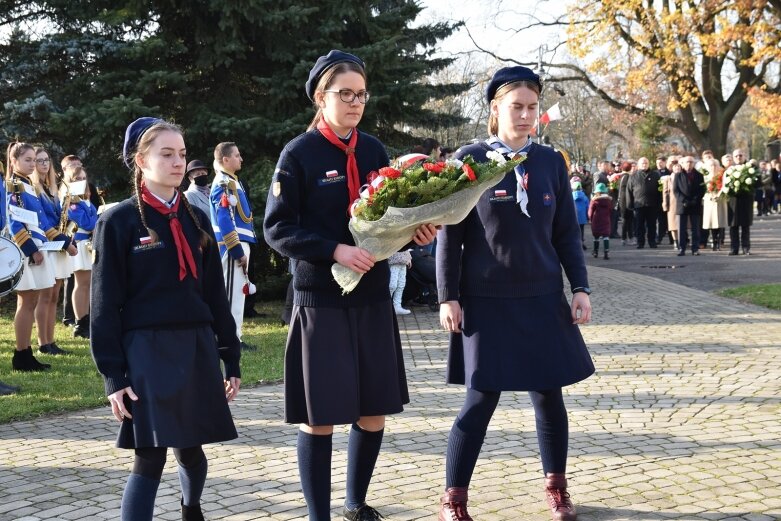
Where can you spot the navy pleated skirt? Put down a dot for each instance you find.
(181, 397)
(343, 363)
(517, 344)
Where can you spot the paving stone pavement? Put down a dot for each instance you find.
(681, 422)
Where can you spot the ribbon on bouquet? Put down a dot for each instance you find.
(521, 176)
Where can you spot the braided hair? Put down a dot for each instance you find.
(142, 148)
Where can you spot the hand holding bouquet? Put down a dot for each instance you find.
(416, 190)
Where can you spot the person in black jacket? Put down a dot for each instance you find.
(499, 278)
(343, 360)
(644, 196)
(662, 171)
(158, 303)
(689, 188)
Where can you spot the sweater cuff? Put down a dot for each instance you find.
(114, 384)
(446, 294)
(230, 358)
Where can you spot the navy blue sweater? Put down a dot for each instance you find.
(306, 218)
(499, 252)
(137, 286)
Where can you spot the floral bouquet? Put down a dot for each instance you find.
(613, 181)
(739, 179)
(714, 182)
(415, 191)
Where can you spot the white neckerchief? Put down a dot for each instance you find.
(521, 177)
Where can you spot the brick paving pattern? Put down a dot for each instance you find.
(681, 422)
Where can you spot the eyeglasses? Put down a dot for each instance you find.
(41, 161)
(348, 95)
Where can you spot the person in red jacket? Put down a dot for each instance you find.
(599, 211)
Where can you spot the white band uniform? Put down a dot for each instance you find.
(234, 282)
(40, 276)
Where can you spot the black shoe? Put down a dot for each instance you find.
(52, 349)
(25, 361)
(732, 253)
(362, 513)
(251, 313)
(69, 321)
(247, 347)
(585, 247)
(652, 246)
(82, 327)
(595, 254)
(606, 256)
(682, 253)
(639, 247)
(191, 513)
(6, 389)
(746, 252)
(696, 252)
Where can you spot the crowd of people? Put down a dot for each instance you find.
(674, 201)
(159, 283)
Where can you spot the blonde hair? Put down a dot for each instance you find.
(141, 149)
(48, 181)
(501, 92)
(326, 80)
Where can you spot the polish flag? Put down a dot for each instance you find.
(331, 173)
(500, 193)
(409, 159)
(552, 114)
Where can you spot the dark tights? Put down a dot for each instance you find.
(468, 432)
(138, 501)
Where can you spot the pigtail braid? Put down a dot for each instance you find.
(137, 187)
(205, 237)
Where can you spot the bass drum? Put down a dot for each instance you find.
(11, 265)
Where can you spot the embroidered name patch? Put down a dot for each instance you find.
(147, 245)
(331, 177)
(500, 196)
(547, 199)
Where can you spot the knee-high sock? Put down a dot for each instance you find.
(467, 435)
(552, 429)
(362, 451)
(192, 474)
(138, 501)
(314, 468)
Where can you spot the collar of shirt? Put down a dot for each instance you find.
(170, 203)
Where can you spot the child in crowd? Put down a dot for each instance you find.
(581, 206)
(599, 213)
(398, 263)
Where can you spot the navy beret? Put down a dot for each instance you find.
(133, 135)
(507, 75)
(324, 63)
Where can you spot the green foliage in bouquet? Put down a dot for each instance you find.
(422, 182)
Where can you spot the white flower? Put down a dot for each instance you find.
(748, 180)
(736, 184)
(726, 176)
(493, 155)
(751, 170)
(457, 163)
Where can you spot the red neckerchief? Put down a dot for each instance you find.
(183, 250)
(353, 178)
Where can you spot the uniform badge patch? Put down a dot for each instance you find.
(547, 199)
(276, 188)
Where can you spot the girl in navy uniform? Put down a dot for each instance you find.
(45, 181)
(29, 235)
(158, 302)
(343, 362)
(501, 289)
(83, 214)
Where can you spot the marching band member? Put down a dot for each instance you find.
(231, 218)
(83, 214)
(30, 236)
(45, 181)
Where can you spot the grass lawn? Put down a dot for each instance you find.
(74, 383)
(767, 295)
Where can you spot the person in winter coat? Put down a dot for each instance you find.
(600, 212)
